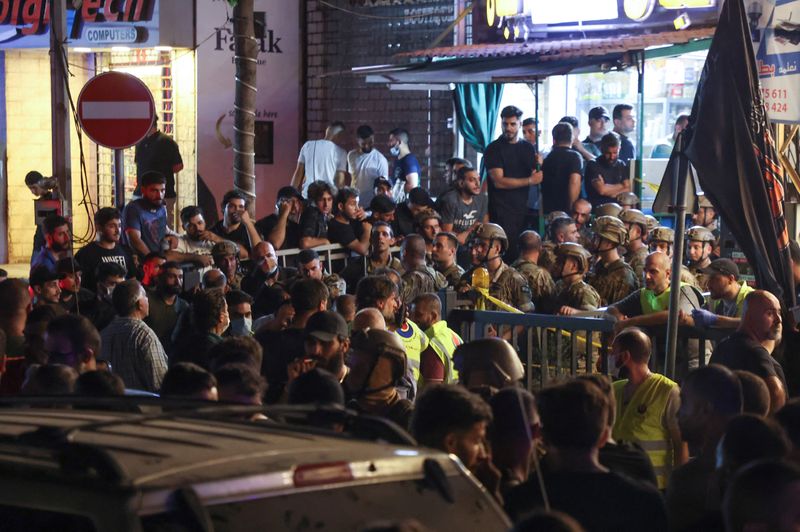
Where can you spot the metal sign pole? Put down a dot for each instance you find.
(119, 178)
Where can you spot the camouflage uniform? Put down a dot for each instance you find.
(236, 282)
(585, 236)
(358, 267)
(612, 282)
(539, 280)
(701, 279)
(452, 274)
(336, 285)
(421, 280)
(636, 261)
(578, 295)
(509, 286)
(547, 257)
(688, 277)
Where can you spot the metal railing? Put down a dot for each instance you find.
(333, 256)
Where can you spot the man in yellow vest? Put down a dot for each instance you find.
(436, 363)
(649, 306)
(647, 405)
(726, 301)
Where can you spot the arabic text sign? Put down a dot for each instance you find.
(775, 29)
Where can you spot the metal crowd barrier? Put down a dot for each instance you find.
(558, 347)
(333, 256)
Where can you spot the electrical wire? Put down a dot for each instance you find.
(375, 17)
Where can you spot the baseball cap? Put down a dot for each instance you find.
(382, 204)
(66, 266)
(599, 112)
(419, 196)
(327, 325)
(381, 181)
(41, 274)
(723, 266)
(226, 247)
(289, 192)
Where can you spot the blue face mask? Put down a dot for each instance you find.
(241, 327)
(395, 151)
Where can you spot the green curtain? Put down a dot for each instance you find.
(477, 108)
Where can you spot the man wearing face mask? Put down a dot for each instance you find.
(406, 168)
(166, 308)
(240, 309)
(100, 310)
(365, 163)
(611, 276)
(267, 282)
(647, 405)
(282, 228)
(210, 318)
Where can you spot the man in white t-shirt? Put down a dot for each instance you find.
(365, 163)
(321, 160)
(196, 243)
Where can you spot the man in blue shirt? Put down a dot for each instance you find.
(57, 243)
(145, 219)
(406, 169)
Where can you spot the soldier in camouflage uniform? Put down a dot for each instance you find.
(706, 215)
(561, 229)
(607, 209)
(380, 256)
(582, 214)
(636, 250)
(628, 200)
(489, 243)
(445, 249)
(652, 223)
(539, 279)
(662, 239)
(611, 276)
(572, 293)
(418, 278)
(699, 246)
(310, 267)
(226, 257)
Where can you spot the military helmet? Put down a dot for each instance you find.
(662, 234)
(608, 209)
(700, 234)
(490, 231)
(493, 357)
(703, 201)
(556, 214)
(612, 229)
(652, 222)
(634, 216)
(627, 199)
(575, 251)
(224, 248)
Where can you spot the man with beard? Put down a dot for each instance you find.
(267, 282)
(73, 295)
(282, 228)
(381, 240)
(166, 308)
(196, 243)
(105, 248)
(145, 219)
(464, 209)
(513, 167)
(699, 247)
(225, 258)
(750, 347)
(326, 343)
(624, 125)
(726, 297)
(349, 227)
(57, 243)
(310, 267)
(44, 285)
(607, 176)
(365, 164)
(582, 213)
(159, 152)
(236, 224)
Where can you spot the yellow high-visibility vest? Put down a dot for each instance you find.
(444, 341)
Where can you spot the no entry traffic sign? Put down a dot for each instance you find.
(116, 110)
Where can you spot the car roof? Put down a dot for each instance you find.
(161, 452)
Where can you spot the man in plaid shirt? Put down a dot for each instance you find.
(129, 344)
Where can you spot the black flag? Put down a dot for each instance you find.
(731, 147)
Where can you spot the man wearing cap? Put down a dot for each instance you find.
(418, 199)
(327, 341)
(513, 167)
(599, 121)
(226, 258)
(44, 284)
(282, 228)
(310, 267)
(637, 251)
(611, 276)
(381, 241)
(726, 297)
(699, 247)
(382, 187)
(608, 175)
(365, 163)
(73, 295)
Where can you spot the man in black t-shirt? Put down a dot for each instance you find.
(158, 152)
(513, 166)
(749, 348)
(350, 228)
(624, 125)
(282, 228)
(236, 224)
(607, 176)
(105, 249)
(561, 184)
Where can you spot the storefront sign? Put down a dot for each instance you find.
(775, 29)
(520, 20)
(26, 23)
(278, 101)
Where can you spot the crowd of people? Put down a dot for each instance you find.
(211, 314)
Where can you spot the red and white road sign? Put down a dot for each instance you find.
(116, 109)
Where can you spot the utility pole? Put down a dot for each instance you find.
(62, 170)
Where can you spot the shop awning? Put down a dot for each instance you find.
(509, 62)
